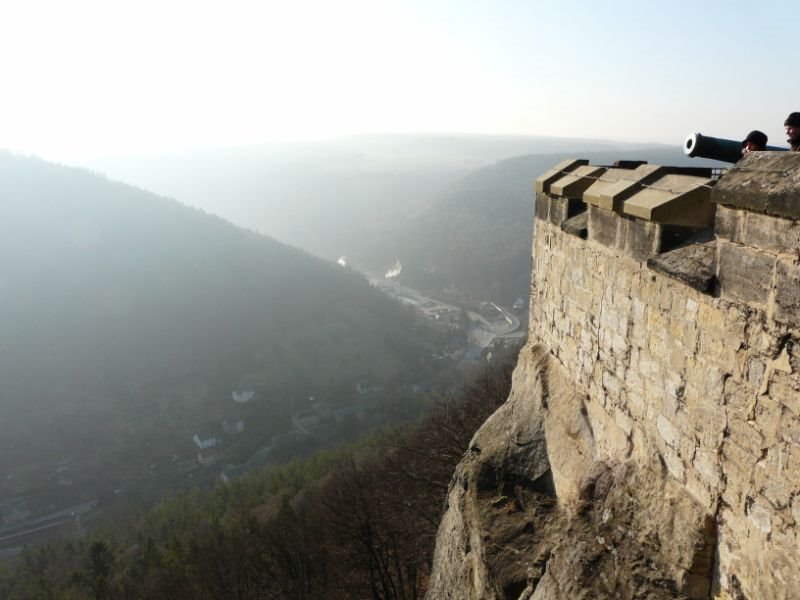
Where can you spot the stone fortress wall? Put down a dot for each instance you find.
(671, 299)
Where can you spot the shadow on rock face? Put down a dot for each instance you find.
(541, 513)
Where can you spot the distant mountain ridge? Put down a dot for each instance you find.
(455, 209)
(330, 197)
(112, 296)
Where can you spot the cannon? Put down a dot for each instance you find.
(705, 146)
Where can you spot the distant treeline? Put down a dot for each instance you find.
(358, 522)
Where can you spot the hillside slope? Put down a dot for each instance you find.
(333, 197)
(128, 319)
(477, 234)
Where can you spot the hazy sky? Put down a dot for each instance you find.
(85, 78)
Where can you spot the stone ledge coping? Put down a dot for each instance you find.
(616, 184)
(766, 182)
(577, 225)
(544, 180)
(662, 194)
(575, 183)
(693, 265)
(674, 199)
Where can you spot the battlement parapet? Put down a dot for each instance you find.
(757, 230)
(638, 208)
(736, 236)
(662, 417)
(681, 337)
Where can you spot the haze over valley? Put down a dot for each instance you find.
(328, 197)
(265, 268)
(135, 322)
(444, 205)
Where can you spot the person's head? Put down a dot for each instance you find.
(756, 140)
(792, 124)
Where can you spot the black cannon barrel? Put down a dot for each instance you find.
(705, 146)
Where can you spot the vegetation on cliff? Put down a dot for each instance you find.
(356, 522)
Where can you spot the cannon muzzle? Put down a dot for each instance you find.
(705, 146)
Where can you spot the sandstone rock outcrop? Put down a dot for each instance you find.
(538, 510)
(650, 447)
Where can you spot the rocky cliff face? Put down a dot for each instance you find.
(538, 510)
(650, 447)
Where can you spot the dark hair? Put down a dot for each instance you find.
(759, 138)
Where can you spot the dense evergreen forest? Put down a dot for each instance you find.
(353, 523)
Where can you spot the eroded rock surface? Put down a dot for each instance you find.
(538, 510)
(654, 421)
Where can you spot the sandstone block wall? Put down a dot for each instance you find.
(708, 381)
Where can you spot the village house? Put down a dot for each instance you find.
(205, 439)
(243, 396)
(233, 425)
(208, 456)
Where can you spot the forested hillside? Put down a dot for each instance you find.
(355, 523)
(128, 320)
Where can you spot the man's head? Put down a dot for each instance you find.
(755, 140)
(792, 124)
